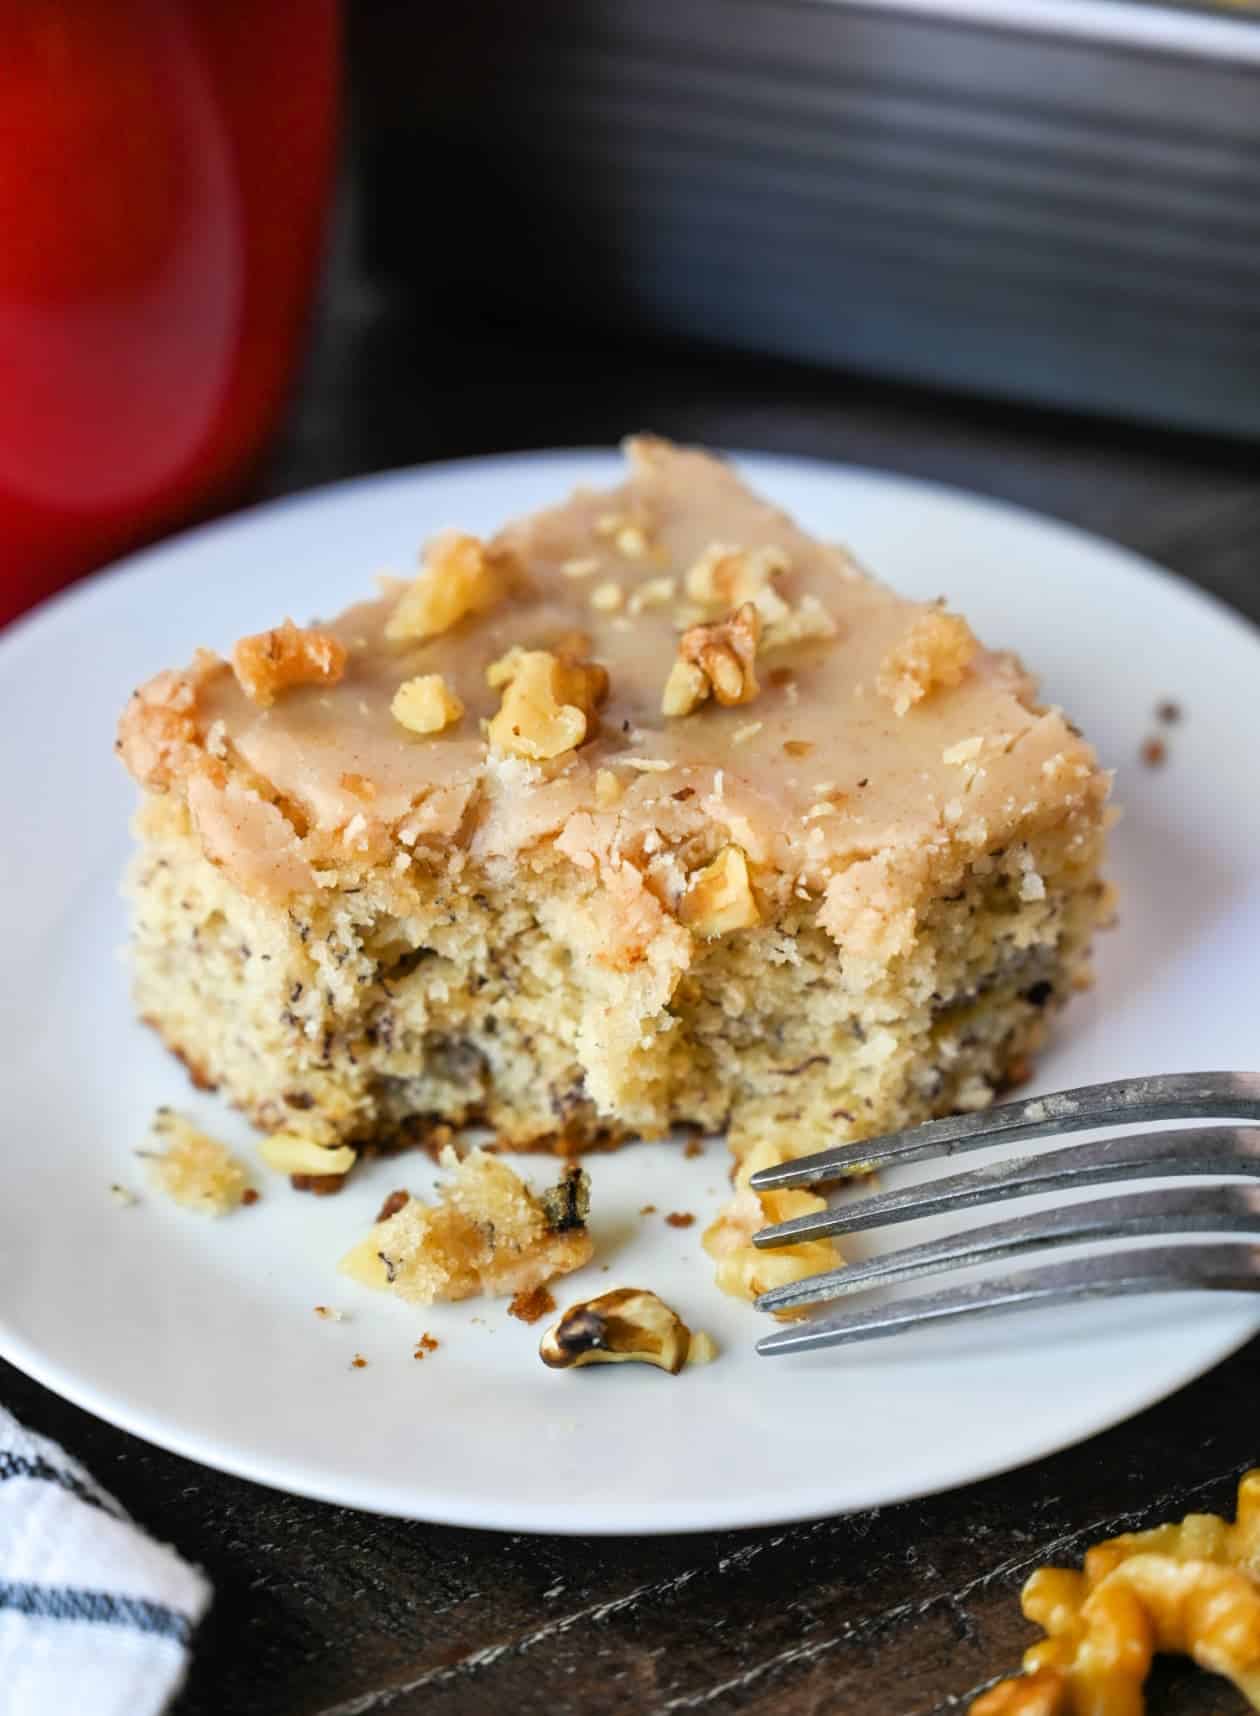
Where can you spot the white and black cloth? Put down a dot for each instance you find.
(95, 1617)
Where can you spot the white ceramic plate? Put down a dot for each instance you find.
(200, 1336)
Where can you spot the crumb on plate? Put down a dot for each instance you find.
(193, 1169)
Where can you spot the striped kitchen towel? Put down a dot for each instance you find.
(95, 1617)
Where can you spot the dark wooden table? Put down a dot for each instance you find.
(905, 1611)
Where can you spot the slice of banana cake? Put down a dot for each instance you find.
(651, 809)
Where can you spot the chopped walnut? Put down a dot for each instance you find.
(607, 597)
(192, 1168)
(549, 705)
(936, 652)
(608, 789)
(503, 671)
(715, 660)
(1191, 1588)
(720, 898)
(805, 623)
(727, 577)
(626, 1326)
(461, 576)
(628, 535)
(487, 1233)
(270, 662)
(426, 704)
(743, 1270)
(291, 1153)
(652, 593)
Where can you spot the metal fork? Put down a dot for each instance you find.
(1218, 1152)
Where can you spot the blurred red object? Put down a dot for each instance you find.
(164, 174)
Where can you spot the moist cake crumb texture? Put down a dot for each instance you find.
(748, 842)
(487, 1233)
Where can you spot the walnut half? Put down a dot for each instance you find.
(715, 661)
(627, 1326)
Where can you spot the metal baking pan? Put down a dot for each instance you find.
(1052, 201)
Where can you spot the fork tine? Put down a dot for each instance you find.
(1208, 1150)
(1169, 1096)
(1218, 1268)
(1218, 1209)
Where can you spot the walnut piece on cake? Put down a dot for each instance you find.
(487, 1233)
(843, 908)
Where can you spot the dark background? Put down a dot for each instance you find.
(905, 1611)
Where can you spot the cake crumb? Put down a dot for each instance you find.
(486, 1233)
(358, 1362)
(680, 1218)
(692, 1148)
(326, 1314)
(648, 1209)
(193, 1169)
(1168, 712)
(122, 1196)
(425, 1345)
(530, 1306)
(250, 1196)
(1154, 753)
(393, 1203)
